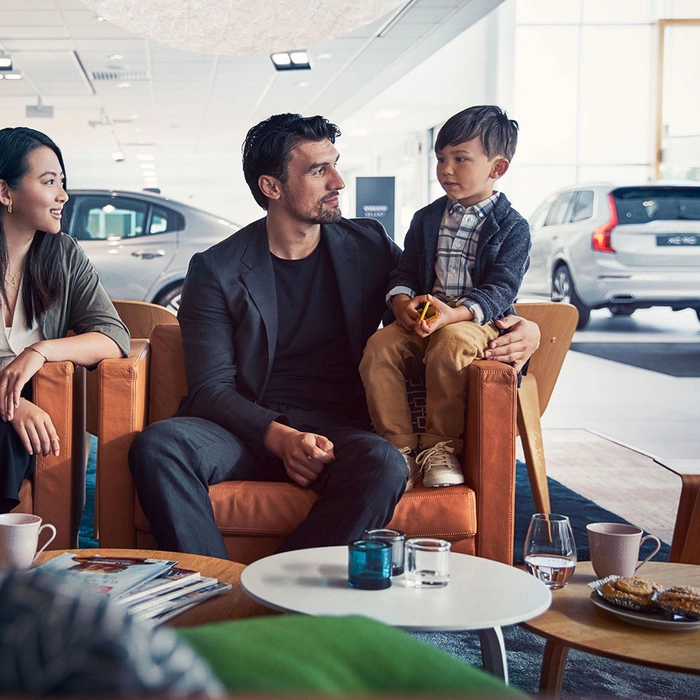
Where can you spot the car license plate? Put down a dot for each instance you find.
(678, 239)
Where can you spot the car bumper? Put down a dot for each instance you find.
(651, 287)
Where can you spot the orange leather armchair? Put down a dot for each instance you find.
(56, 490)
(254, 517)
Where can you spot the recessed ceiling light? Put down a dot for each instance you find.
(299, 57)
(302, 84)
(118, 156)
(324, 56)
(281, 60)
(291, 60)
(116, 57)
(109, 208)
(13, 76)
(145, 156)
(124, 85)
(100, 18)
(5, 62)
(133, 116)
(148, 166)
(387, 114)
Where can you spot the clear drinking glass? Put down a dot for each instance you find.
(427, 562)
(550, 550)
(397, 540)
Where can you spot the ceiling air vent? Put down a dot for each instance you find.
(119, 76)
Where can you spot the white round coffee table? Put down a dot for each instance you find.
(482, 595)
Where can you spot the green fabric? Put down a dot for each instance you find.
(333, 655)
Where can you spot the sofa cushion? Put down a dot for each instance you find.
(296, 654)
(264, 508)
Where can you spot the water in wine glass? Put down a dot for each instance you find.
(550, 549)
(551, 570)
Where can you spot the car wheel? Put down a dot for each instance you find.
(563, 290)
(171, 298)
(622, 310)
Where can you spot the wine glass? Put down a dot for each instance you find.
(550, 550)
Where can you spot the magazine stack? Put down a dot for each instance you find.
(150, 589)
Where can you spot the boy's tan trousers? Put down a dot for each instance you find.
(393, 353)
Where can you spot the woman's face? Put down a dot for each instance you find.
(38, 200)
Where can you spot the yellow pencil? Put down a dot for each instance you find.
(425, 311)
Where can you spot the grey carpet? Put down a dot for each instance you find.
(674, 359)
(586, 676)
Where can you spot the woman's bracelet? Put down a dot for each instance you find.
(31, 347)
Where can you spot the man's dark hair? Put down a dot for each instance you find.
(498, 134)
(267, 148)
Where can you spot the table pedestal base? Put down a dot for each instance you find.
(493, 652)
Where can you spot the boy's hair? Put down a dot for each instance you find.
(498, 134)
(267, 148)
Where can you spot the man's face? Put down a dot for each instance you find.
(311, 192)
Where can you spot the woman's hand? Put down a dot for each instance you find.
(14, 377)
(35, 429)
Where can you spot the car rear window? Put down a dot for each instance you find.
(638, 205)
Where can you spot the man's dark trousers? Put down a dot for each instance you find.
(173, 462)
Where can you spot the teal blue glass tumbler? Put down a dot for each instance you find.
(369, 564)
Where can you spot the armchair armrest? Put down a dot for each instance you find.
(122, 400)
(59, 482)
(489, 459)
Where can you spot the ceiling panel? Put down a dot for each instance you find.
(192, 110)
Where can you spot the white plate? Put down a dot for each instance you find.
(645, 619)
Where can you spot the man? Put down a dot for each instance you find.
(274, 320)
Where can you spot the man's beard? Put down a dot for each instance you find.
(318, 214)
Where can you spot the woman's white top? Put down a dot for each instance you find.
(16, 338)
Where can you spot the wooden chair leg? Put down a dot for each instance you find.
(530, 430)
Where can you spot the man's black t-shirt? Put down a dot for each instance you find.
(313, 368)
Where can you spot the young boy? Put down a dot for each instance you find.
(466, 255)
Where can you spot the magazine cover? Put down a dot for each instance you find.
(175, 578)
(188, 600)
(109, 575)
(157, 599)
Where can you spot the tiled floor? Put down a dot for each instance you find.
(653, 412)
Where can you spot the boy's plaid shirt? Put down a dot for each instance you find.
(456, 248)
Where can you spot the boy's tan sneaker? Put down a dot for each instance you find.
(414, 471)
(440, 466)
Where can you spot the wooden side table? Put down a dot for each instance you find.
(232, 605)
(574, 622)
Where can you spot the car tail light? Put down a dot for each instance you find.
(601, 236)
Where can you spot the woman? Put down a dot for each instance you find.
(47, 287)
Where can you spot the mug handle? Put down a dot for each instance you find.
(658, 547)
(53, 536)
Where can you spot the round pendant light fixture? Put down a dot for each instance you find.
(240, 26)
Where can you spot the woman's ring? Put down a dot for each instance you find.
(54, 440)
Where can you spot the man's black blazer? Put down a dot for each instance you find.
(228, 317)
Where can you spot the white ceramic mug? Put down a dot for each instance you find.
(615, 548)
(19, 539)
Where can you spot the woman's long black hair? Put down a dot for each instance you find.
(43, 282)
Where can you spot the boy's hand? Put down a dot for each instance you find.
(444, 315)
(406, 311)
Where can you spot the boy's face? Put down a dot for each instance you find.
(466, 173)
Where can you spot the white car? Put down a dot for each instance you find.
(620, 247)
(140, 242)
